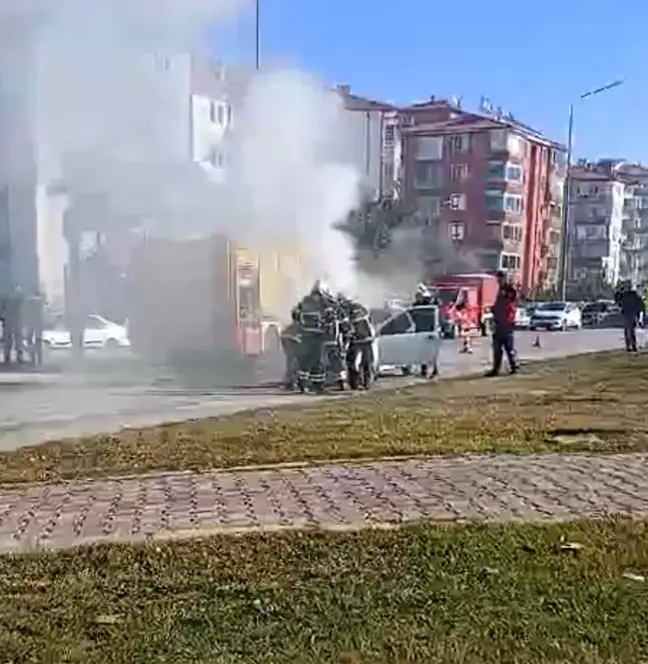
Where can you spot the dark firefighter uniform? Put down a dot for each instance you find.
(290, 343)
(333, 340)
(313, 315)
(360, 352)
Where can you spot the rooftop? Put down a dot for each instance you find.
(467, 122)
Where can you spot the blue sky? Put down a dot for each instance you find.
(530, 58)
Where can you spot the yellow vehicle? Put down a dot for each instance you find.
(209, 295)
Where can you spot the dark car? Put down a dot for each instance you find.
(602, 313)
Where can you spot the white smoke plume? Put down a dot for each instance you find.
(83, 79)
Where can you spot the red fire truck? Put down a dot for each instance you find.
(477, 291)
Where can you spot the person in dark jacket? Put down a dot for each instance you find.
(632, 310)
(504, 309)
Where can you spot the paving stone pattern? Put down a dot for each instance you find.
(546, 487)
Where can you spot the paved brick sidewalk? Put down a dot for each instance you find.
(546, 487)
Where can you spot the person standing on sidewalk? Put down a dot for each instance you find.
(632, 310)
(504, 309)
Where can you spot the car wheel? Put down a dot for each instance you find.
(111, 344)
(406, 371)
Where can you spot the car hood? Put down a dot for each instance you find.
(548, 314)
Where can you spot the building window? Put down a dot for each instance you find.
(510, 262)
(457, 201)
(459, 173)
(513, 173)
(495, 200)
(498, 140)
(516, 145)
(428, 176)
(495, 170)
(512, 232)
(212, 111)
(459, 144)
(429, 208)
(389, 134)
(499, 171)
(558, 158)
(490, 262)
(429, 148)
(552, 263)
(512, 203)
(457, 230)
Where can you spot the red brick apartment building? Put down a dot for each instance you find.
(490, 185)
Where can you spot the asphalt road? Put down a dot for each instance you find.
(39, 407)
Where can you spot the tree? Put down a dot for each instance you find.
(371, 226)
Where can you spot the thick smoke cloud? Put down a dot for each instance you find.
(101, 89)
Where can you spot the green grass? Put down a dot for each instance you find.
(590, 402)
(427, 594)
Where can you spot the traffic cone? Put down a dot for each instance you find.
(536, 343)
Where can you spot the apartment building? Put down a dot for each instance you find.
(492, 185)
(375, 142)
(596, 219)
(634, 246)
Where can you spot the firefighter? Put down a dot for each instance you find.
(312, 313)
(290, 343)
(335, 324)
(360, 350)
(461, 317)
(424, 297)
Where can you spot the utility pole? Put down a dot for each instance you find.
(566, 211)
(257, 35)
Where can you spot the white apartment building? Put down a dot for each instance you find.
(634, 256)
(596, 216)
(375, 145)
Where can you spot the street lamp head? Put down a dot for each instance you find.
(609, 86)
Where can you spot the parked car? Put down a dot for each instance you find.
(410, 338)
(602, 313)
(98, 333)
(522, 318)
(556, 316)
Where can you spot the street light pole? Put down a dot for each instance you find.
(566, 211)
(257, 35)
(564, 235)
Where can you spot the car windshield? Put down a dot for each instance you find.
(552, 306)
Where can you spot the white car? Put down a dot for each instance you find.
(556, 316)
(522, 319)
(98, 333)
(410, 338)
